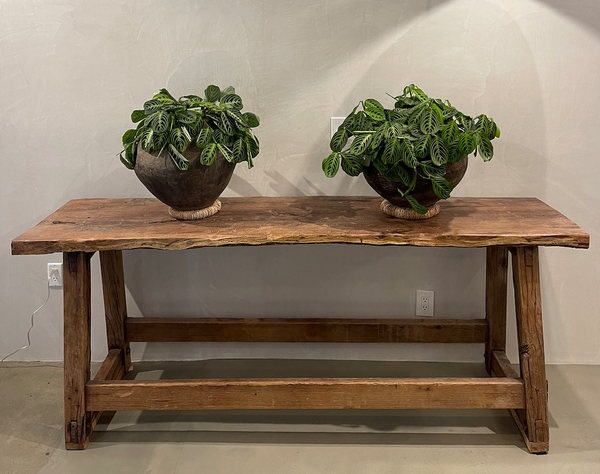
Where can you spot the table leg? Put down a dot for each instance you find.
(77, 355)
(495, 302)
(533, 420)
(115, 307)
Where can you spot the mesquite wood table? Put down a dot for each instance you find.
(512, 225)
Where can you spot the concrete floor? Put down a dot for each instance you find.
(373, 442)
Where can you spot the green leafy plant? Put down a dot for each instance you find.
(215, 123)
(418, 137)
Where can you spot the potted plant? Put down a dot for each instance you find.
(185, 150)
(412, 155)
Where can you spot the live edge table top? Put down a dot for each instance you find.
(88, 225)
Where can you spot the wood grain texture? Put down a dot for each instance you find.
(501, 366)
(119, 224)
(315, 393)
(305, 330)
(112, 367)
(77, 355)
(495, 301)
(115, 306)
(533, 421)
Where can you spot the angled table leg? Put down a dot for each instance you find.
(115, 308)
(533, 420)
(495, 302)
(77, 355)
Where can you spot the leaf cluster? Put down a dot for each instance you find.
(418, 137)
(215, 123)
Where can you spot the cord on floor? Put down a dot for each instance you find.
(32, 323)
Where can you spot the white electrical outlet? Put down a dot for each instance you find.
(55, 275)
(425, 303)
(335, 124)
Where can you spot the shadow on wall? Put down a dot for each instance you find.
(585, 12)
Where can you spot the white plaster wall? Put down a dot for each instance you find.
(71, 71)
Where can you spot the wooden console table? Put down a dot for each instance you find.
(109, 226)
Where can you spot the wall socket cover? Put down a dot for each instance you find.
(335, 124)
(55, 275)
(424, 303)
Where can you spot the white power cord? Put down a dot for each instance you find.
(32, 321)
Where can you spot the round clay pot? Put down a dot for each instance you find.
(423, 192)
(194, 189)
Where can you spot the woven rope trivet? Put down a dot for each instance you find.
(408, 212)
(198, 214)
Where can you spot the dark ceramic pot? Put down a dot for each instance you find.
(196, 188)
(423, 192)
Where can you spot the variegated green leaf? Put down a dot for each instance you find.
(228, 140)
(180, 161)
(466, 144)
(380, 166)
(164, 98)
(161, 121)
(128, 137)
(226, 125)
(485, 147)
(212, 93)
(226, 152)
(374, 109)
(441, 187)
(398, 115)
(408, 154)
(178, 139)
(438, 111)
(237, 117)
(391, 153)
(483, 125)
(352, 165)
(239, 150)
(209, 154)
(187, 134)
(378, 137)
(454, 152)
(126, 161)
(339, 140)
(421, 146)
(232, 100)
(137, 115)
(164, 92)
(331, 164)
(147, 140)
(187, 116)
(361, 143)
(449, 112)
(437, 150)
(152, 106)
(249, 158)
(251, 119)
(416, 113)
(416, 92)
(418, 208)
(415, 130)
(430, 122)
(204, 137)
(430, 169)
(468, 124)
(450, 132)
(253, 144)
(228, 90)
(358, 122)
(398, 174)
(397, 129)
